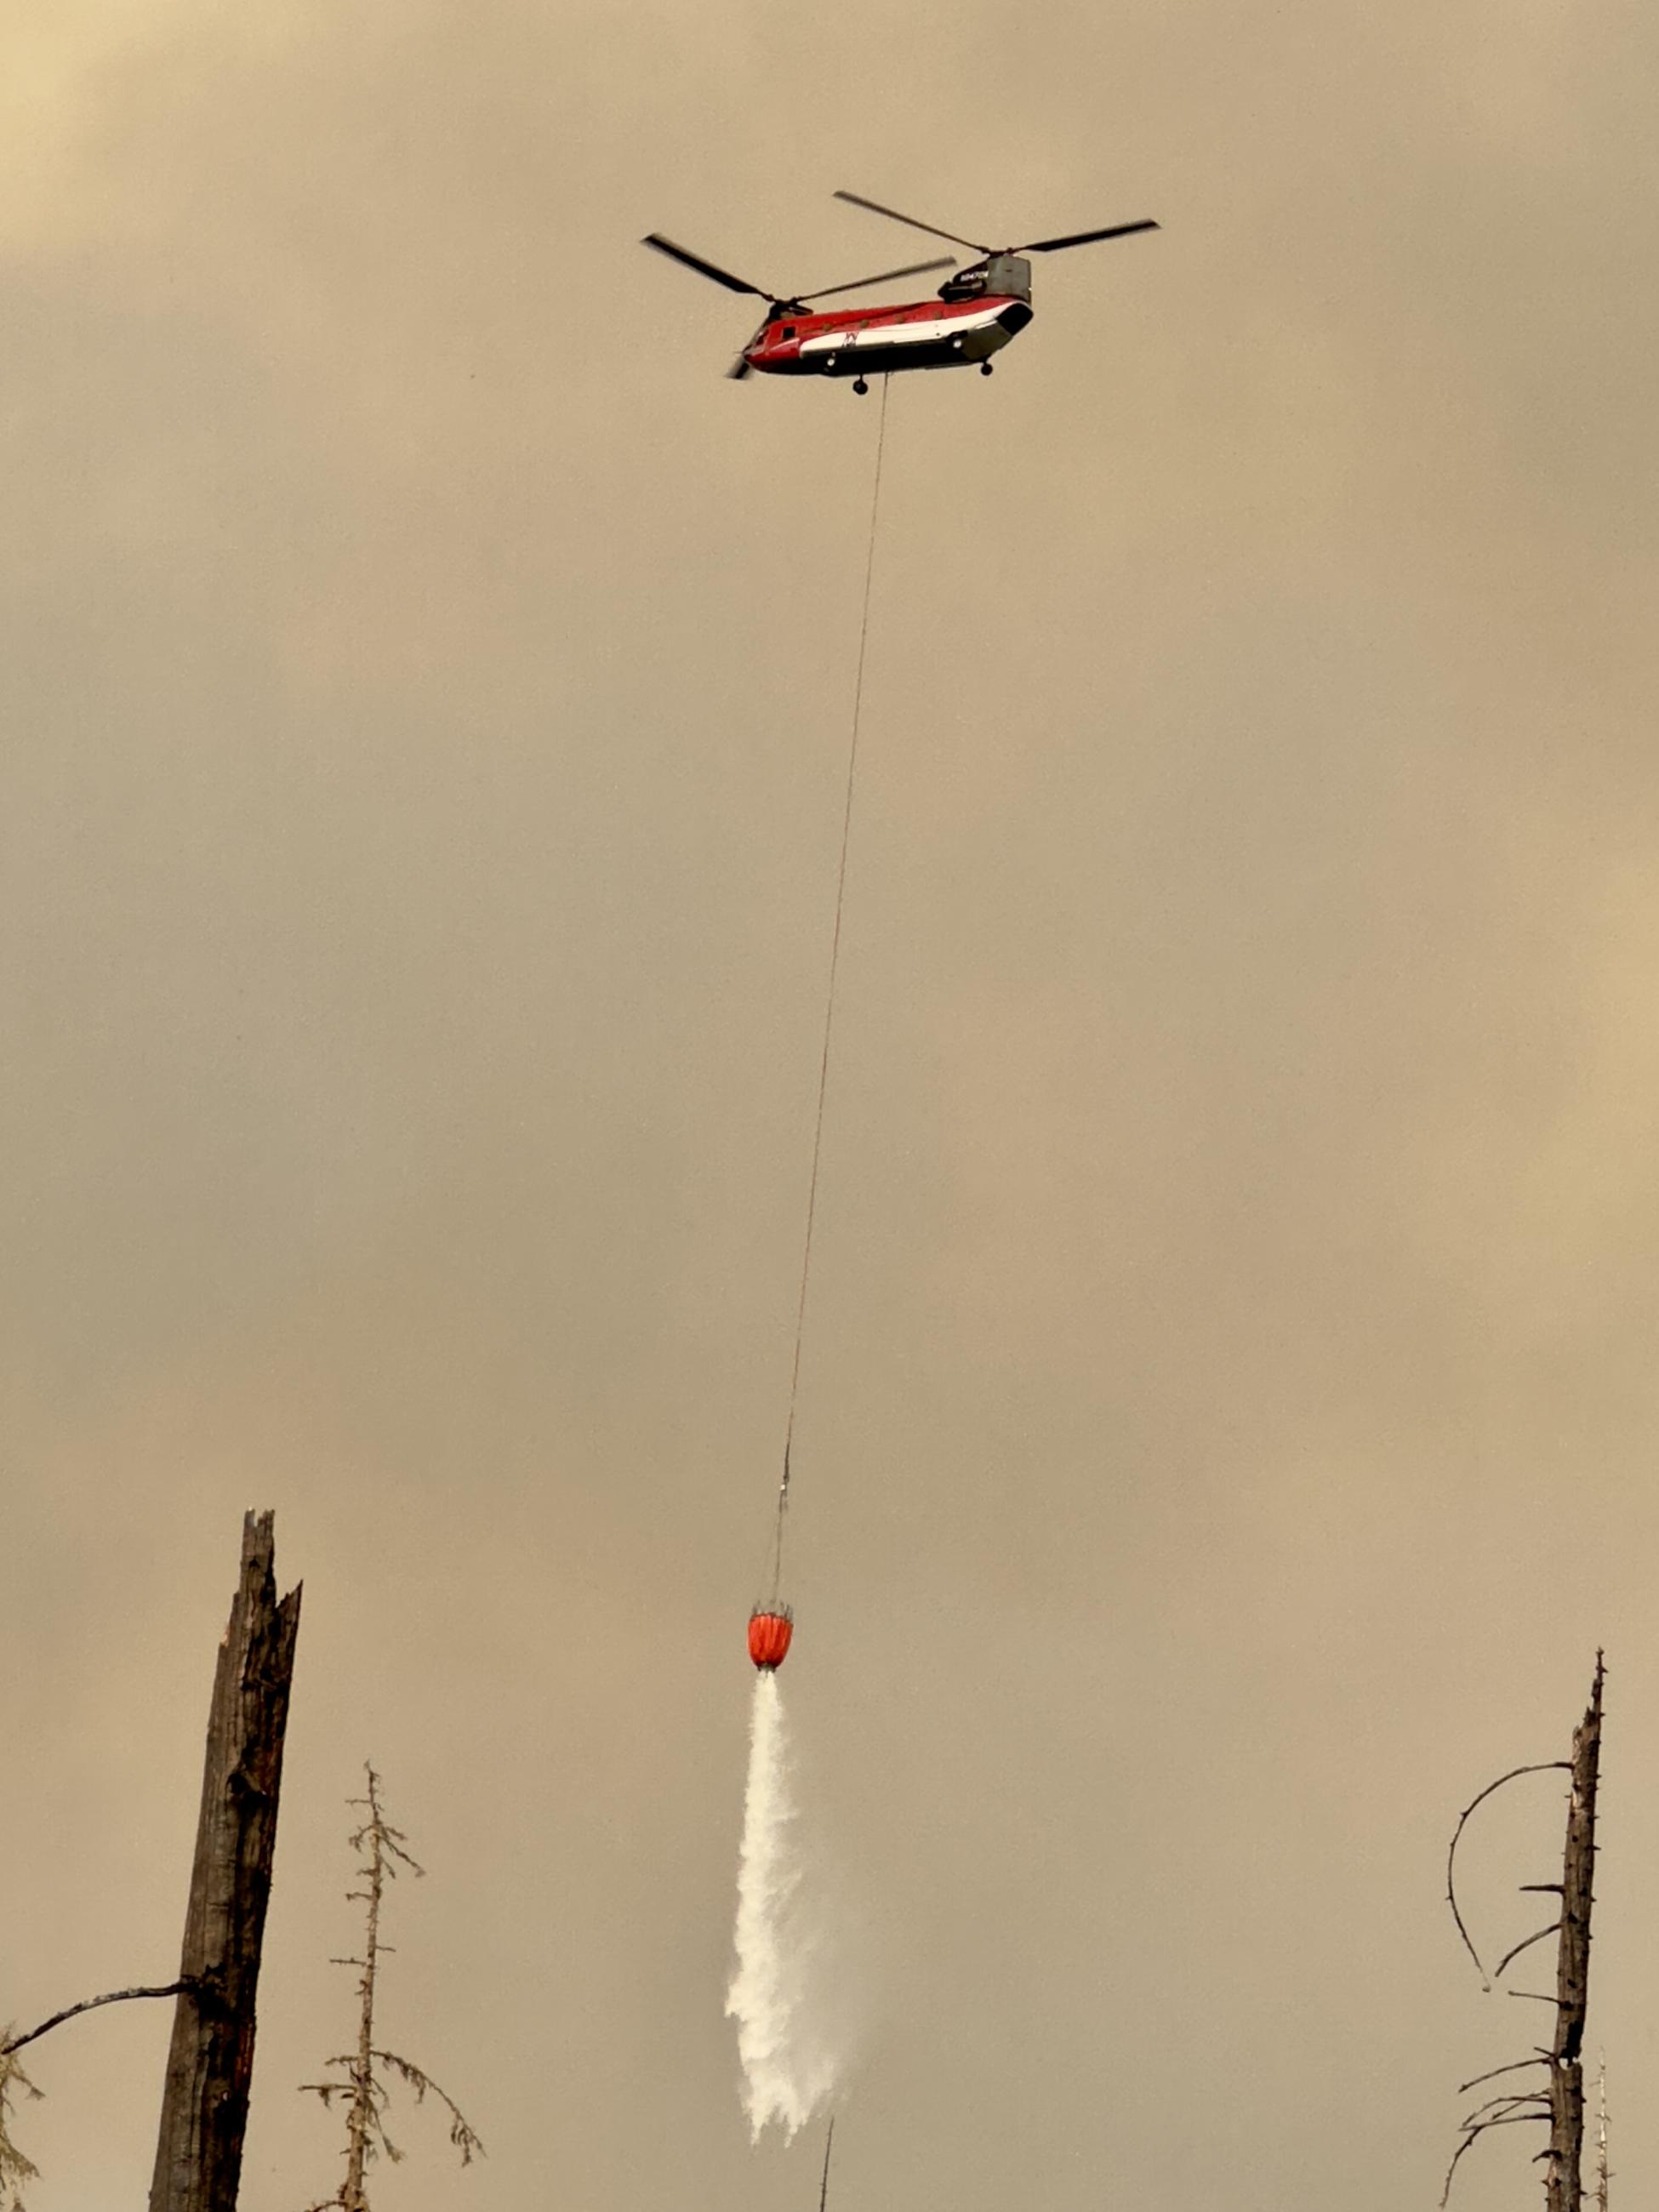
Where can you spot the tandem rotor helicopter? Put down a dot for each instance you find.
(978, 310)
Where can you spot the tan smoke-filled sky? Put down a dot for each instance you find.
(1228, 1413)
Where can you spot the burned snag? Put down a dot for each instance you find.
(198, 2152)
(1559, 2103)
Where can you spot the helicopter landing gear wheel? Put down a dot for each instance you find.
(985, 368)
(860, 386)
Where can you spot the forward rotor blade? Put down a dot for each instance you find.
(703, 268)
(857, 199)
(887, 276)
(741, 366)
(1083, 238)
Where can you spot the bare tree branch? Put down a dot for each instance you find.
(1471, 2139)
(1506, 2103)
(464, 2137)
(87, 2004)
(1514, 2067)
(1541, 1766)
(1467, 2143)
(1498, 1970)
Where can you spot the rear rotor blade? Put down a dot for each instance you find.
(1082, 238)
(887, 276)
(703, 268)
(857, 199)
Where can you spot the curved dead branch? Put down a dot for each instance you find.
(1514, 2067)
(1498, 1970)
(89, 2005)
(1540, 1766)
(1477, 2118)
(464, 2137)
(1470, 2140)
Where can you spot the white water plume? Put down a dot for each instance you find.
(784, 2040)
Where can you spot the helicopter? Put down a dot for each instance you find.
(977, 311)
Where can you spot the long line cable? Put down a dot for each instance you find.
(830, 995)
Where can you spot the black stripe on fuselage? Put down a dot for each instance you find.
(960, 348)
(876, 360)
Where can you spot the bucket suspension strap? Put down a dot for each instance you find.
(830, 994)
(777, 1537)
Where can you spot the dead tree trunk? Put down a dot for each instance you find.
(1562, 2181)
(360, 2120)
(1561, 2101)
(198, 2154)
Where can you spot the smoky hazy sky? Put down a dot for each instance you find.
(1227, 1417)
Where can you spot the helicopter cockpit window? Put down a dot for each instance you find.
(788, 330)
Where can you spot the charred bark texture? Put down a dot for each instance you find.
(198, 2154)
(1563, 2185)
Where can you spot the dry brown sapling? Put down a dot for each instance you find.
(363, 2083)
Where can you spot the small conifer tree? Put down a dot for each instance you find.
(362, 2073)
(14, 2168)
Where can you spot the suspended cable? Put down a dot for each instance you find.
(830, 995)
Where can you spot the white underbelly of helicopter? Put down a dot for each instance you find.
(939, 342)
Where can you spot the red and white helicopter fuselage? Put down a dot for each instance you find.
(866, 342)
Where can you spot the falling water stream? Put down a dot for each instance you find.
(784, 2044)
